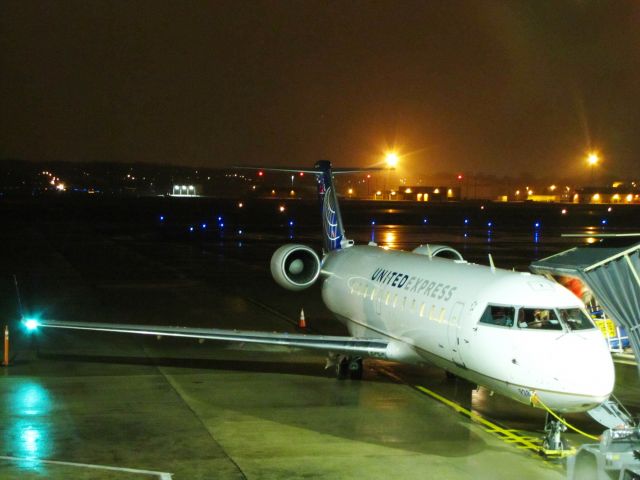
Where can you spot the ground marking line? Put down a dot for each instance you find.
(160, 475)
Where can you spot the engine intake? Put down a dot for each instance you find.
(295, 267)
(441, 251)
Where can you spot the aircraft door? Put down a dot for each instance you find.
(453, 333)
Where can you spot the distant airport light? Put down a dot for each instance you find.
(564, 211)
(260, 173)
(481, 207)
(552, 188)
(466, 221)
(437, 190)
(61, 187)
(281, 208)
(301, 174)
(629, 197)
(240, 205)
(537, 224)
(603, 221)
(191, 229)
(593, 158)
(489, 224)
(219, 219)
(459, 176)
(221, 225)
(31, 324)
(530, 192)
(373, 222)
(162, 218)
(203, 226)
(408, 190)
(239, 232)
(425, 220)
(609, 209)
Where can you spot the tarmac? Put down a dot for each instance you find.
(86, 405)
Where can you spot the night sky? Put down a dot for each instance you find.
(498, 87)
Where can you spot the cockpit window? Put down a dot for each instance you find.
(498, 315)
(538, 318)
(575, 319)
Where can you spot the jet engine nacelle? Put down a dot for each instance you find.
(295, 267)
(442, 251)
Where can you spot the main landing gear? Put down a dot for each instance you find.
(345, 366)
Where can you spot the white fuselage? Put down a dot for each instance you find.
(429, 309)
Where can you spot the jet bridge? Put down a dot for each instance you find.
(611, 274)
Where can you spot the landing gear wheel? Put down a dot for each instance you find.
(342, 368)
(355, 369)
(553, 442)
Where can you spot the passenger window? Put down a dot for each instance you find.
(498, 315)
(365, 291)
(575, 319)
(373, 293)
(539, 319)
(432, 313)
(442, 314)
(413, 304)
(386, 298)
(395, 300)
(422, 310)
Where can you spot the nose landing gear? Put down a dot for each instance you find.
(552, 443)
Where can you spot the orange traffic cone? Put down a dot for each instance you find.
(302, 322)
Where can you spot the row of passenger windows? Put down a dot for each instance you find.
(394, 300)
(536, 318)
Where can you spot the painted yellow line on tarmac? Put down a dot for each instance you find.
(505, 434)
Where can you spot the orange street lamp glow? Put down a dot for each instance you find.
(392, 159)
(593, 159)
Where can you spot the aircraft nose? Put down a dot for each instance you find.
(587, 365)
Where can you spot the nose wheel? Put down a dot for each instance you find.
(553, 444)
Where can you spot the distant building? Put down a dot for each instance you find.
(183, 190)
(618, 193)
(422, 193)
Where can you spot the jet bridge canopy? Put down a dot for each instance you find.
(612, 275)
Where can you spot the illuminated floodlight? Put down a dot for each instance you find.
(593, 159)
(392, 159)
(31, 324)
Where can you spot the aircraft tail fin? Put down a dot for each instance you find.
(332, 227)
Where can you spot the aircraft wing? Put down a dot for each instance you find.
(348, 345)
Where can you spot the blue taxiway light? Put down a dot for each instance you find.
(203, 226)
(373, 222)
(219, 219)
(162, 218)
(191, 229)
(489, 224)
(466, 221)
(291, 223)
(239, 232)
(221, 225)
(426, 220)
(537, 224)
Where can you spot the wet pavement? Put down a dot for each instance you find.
(100, 406)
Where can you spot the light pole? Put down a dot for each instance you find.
(391, 159)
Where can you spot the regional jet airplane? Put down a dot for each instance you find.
(515, 333)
